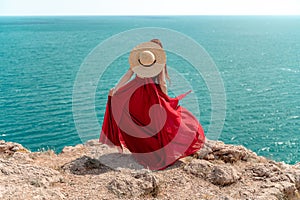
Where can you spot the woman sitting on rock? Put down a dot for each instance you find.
(141, 117)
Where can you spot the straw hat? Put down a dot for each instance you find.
(147, 59)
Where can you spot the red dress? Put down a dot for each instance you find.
(155, 129)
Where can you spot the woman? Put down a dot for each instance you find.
(141, 117)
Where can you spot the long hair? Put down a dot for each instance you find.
(157, 41)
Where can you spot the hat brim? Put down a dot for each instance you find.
(153, 70)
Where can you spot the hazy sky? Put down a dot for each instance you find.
(150, 7)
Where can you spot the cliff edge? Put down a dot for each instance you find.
(95, 171)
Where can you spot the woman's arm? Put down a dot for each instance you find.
(162, 81)
(126, 77)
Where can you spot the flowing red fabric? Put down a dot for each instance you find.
(155, 129)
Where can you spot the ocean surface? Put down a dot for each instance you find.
(258, 59)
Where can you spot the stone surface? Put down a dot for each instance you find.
(138, 184)
(95, 171)
(8, 148)
(24, 181)
(223, 175)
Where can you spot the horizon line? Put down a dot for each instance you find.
(145, 15)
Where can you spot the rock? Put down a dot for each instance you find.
(85, 165)
(94, 143)
(231, 154)
(289, 189)
(67, 149)
(29, 172)
(70, 149)
(199, 168)
(228, 153)
(205, 151)
(148, 182)
(297, 180)
(223, 175)
(24, 181)
(96, 171)
(21, 157)
(263, 171)
(11, 147)
(139, 184)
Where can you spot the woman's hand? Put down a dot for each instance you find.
(126, 77)
(111, 92)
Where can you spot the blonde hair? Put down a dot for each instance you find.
(157, 41)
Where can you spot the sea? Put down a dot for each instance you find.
(257, 58)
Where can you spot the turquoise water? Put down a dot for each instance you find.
(258, 59)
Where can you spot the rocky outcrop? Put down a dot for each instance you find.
(9, 148)
(95, 171)
(218, 174)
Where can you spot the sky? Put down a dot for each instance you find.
(149, 7)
